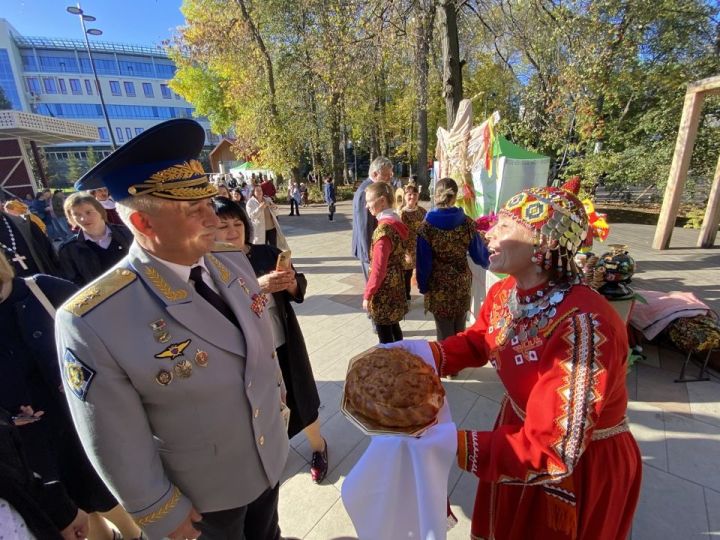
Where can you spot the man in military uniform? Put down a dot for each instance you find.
(167, 359)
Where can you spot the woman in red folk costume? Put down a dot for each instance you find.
(560, 462)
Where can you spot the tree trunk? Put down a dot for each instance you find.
(335, 137)
(269, 72)
(452, 67)
(424, 30)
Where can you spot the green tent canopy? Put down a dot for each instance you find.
(504, 148)
(248, 165)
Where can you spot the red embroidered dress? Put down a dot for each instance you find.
(560, 462)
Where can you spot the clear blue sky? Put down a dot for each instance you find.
(138, 22)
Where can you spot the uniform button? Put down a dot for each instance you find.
(273, 354)
(261, 440)
(257, 413)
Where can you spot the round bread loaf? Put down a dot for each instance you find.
(394, 388)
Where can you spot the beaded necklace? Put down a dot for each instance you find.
(12, 248)
(524, 316)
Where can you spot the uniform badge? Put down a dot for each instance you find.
(201, 358)
(183, 369)
(78, 375)
(164, 377)
(259, 301)
(160, 331)
(171, 352)
(244, 287)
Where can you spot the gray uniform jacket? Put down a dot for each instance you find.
(174, 405)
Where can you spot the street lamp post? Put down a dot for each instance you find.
(75, 10)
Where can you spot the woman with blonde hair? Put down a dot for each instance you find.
(444, 240)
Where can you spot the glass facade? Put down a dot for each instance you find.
(7, 81)
(127, 112)
(58, 72)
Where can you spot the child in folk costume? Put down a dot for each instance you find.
(444, 240)
(384, 297)
(411, 215)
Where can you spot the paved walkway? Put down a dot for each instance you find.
(676, 425)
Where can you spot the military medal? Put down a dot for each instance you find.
(160, 332)
(183, 369)
(259, 301)
(164, 377)
(201, 358)
(171, 352)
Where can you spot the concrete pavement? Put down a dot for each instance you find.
(676, 425)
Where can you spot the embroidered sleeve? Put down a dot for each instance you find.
(380, 255)
(562, 410)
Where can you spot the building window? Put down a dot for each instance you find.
(128, 133)
(166, 93)
(148, 89)
(75, 87)
(136, 69)
(50, 85)
(33, 84)
(63, 86)
(129, 88)
(138, 131)
(29, 62)
(88, 87)
(115, 88)
(103, 132)
(119, 134)
(165, 71)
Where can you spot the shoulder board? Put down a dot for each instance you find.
(98, 291)
(225, 246)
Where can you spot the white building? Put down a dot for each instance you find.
(53, 77)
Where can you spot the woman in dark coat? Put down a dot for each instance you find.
(45, 507)
(97, 246)
(30, 389)
(285, 286)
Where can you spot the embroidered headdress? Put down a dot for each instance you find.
(558, 220)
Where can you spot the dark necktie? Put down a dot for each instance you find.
(211, 296)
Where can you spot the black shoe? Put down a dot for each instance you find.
(319, 465)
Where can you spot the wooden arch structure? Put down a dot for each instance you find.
(689, 122)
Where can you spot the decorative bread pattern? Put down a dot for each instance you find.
(394, 388)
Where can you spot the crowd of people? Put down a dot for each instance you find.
(154, 368)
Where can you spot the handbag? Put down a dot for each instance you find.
(331, 207)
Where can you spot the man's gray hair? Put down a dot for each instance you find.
(142, 203)
(378, 164)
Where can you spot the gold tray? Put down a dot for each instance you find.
(371, 427)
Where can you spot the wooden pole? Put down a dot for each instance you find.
(679, 168)
(708, 231)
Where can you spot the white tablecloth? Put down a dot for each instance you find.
(398, 488)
